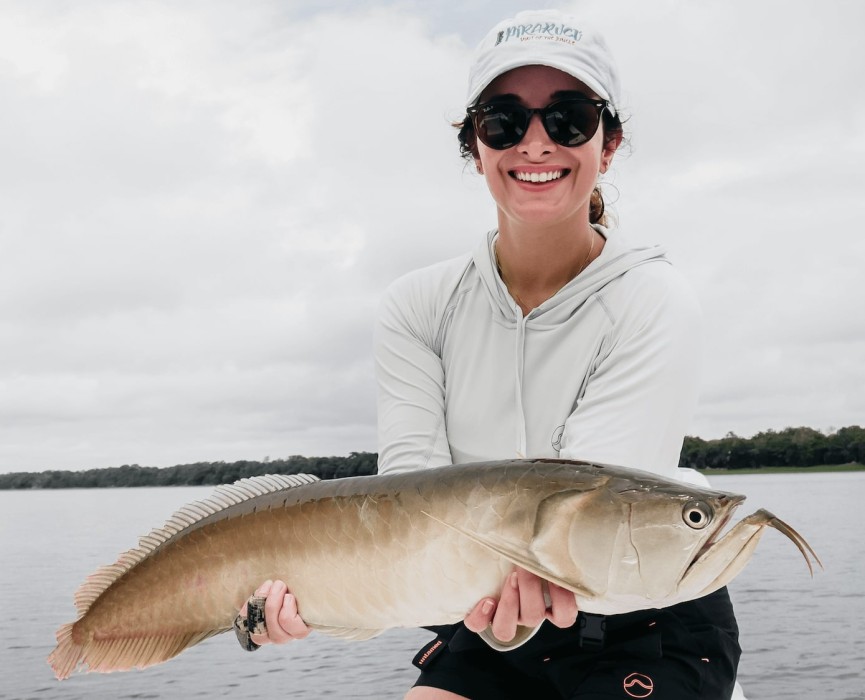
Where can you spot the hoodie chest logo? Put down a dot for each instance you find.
(556, 440)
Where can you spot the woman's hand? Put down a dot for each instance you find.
(522, 602)
(280, 614)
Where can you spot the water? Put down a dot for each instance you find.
(802, 637)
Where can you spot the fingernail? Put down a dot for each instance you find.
(265, 587)
(514, 580)
(487, 606)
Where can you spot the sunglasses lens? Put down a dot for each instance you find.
(571, 122)
(501, 126)
(568, 122)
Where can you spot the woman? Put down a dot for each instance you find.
(556, 337)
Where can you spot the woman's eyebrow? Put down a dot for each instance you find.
(570, 94)
(558, 95)
(507, 97)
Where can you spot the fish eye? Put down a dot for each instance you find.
(697, 514)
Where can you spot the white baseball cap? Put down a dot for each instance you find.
(545, 38)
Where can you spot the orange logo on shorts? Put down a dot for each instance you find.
(638, 686)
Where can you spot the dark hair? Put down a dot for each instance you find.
(611, 124)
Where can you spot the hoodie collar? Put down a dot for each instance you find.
(617, 257)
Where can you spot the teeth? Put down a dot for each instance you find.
(538, 177)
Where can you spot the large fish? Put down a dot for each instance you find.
(405, 550)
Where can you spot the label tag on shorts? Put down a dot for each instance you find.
(428, 653)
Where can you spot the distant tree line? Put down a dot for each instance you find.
(791, 447)
(198, 474)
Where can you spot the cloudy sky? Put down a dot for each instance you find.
(201, 203)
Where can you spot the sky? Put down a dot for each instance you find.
(202, 202)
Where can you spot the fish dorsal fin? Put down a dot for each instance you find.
(190, 517)
(517, 553)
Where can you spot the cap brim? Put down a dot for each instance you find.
(587, 80)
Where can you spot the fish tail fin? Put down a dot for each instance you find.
(118, 653)
(140, 648)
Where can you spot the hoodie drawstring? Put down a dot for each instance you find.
(518, 387)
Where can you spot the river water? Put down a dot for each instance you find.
(802, 637)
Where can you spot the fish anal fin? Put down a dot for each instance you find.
(118, 653)
(515, 552)
(353, 634)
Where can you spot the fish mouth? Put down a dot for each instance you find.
(716, 533)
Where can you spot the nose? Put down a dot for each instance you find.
(537, 142)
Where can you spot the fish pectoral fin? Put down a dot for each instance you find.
(353, 634)
(515, 552)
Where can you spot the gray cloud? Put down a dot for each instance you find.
(201, 206)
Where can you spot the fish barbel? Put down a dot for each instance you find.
(413, 549)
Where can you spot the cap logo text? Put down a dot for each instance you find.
(539, 30)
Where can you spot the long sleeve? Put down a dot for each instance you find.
(411, 383)
(639, 397)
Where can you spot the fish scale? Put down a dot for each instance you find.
(366, 554)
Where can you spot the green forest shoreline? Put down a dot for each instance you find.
(792, 450)
(819, 468)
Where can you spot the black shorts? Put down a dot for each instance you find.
(684, 652)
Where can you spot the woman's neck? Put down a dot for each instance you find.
(536, 262)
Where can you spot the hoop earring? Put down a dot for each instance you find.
(598, 206)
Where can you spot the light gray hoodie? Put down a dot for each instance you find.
(605, 370)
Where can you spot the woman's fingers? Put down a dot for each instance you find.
(272, 610)
(480, 616)
(289, 619)
(523, 602)
(563, 606)
(280, 615)
(533, 606)
(263, 590)
(507, 614)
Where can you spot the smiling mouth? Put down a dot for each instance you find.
(548, 176)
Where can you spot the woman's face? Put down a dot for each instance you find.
(563, 200)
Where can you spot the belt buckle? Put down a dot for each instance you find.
(593, 629)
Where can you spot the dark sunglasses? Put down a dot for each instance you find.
(569, 122)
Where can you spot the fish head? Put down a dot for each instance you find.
(668, 529)
(627, 544)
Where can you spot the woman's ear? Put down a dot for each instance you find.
(610, 146)
(473, 147)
